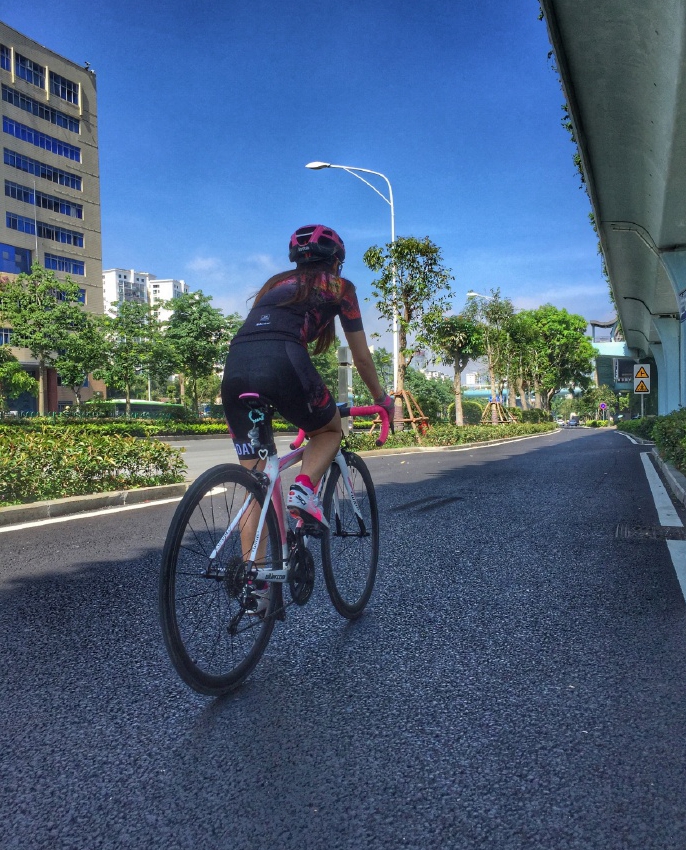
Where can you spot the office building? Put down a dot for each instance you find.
(50, 175)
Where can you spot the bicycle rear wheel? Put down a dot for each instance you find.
(350, 551)
(212, 639)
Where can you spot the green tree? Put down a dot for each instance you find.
(383, 360)
(134, 346)
(199, 335)
(493, 315)
(14, 380)
(83, 351)
(457, 340)
(326, 364)
(413, 285)
(41, 310)
(591, 400)
(564, 353)
(433, 395)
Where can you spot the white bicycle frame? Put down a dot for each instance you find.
(273, 468)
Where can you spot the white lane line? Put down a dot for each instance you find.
(668, 517)
(677, 549)
(630, 439)
(86, 515)
(666, 511)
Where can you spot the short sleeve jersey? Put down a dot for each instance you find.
(274, 318)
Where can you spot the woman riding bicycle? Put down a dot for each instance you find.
(269, 356)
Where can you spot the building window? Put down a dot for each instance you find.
(30, 71)
(5, 58)
(40, 169)
(40, 140)
(18, 193)
(5, 336)
(14, 260)
(20, 223)
(60, 234)
(47, 113)
(64, 264)
(64, 88)
(58, 205)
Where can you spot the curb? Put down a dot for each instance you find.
(675, 480)
(52, 508)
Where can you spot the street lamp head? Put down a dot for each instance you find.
(315, 166)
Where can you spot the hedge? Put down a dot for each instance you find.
(52, 463)
(124, 427)
(450, 435)
(638, 427)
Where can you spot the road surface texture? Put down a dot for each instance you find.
(518, 680)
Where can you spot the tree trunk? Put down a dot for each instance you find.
(537, 395)
(494, 394)
(457, 387)
(42, 388)
(182, 388)
(127, 409)
(522, 395)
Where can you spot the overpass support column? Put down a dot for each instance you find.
(674, 263)
(667, 360)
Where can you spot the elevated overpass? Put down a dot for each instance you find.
(622, 68)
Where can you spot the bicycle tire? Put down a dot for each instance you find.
(196, 608)
(349, 554)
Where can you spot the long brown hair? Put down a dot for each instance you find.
(307, 276)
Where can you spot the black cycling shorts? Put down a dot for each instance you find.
(282, 372)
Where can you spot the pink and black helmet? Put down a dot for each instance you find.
(315, 242)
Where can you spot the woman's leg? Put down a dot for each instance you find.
(321, 449)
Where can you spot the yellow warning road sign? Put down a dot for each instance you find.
(641, 387)
(641, 373)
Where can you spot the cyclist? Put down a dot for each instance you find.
(269, 356)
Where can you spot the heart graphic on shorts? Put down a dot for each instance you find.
(263, 454)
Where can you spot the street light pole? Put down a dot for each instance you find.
(316, 166)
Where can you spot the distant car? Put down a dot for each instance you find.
(573, 420)
(560, 421)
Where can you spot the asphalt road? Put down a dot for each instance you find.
(518, 680)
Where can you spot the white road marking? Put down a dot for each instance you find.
(668, 516)
(677, 549)
(87, 514)
(666, 511)
(630, 439)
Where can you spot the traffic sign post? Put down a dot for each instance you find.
(642, 381)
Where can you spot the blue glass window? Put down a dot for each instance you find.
(64, 264)
(30, 71)
(14, 260)
(47, 113)
(20, 223)
(40, 169)
(59, 234)
(64, 88)
(5, 58)
(40, 140)
(18, 192)
(5, 336)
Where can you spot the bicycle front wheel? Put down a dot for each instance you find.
(350, 551)
(213, 633)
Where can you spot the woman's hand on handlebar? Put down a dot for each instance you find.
(388, 404)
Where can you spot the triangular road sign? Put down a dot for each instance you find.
(641, 388)
(641, 374)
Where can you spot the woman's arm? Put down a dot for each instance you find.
(364, 364)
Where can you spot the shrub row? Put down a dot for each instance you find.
(598, 423)
(52, 463)
(450, 435)
(123, 427)
(638, 427)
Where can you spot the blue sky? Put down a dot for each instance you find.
(208, 112)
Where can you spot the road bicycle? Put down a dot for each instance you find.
(231, 549)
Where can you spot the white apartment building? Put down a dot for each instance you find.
(143, 287)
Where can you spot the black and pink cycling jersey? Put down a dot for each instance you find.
(273, 318)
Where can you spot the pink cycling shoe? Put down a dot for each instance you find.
(305, 504)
